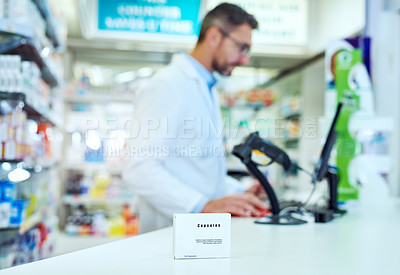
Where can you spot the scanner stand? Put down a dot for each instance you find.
(275, 218)
(285, 219)
(332, 210)
(333, 181)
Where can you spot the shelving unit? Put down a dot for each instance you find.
(31, 222)
(8, 234)
(77, 200)
(90, 99)
(92, 187)
(257, 116)
(51, 30)
(293, 116)
(92, 167)
(291, 125)
(37, 215)
(34, 111)
(28, 51)
(33, 198)
(274, 109)
(11, 27)
(11, 160)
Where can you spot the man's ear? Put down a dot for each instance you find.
(213, 37)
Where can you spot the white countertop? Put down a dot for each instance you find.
(365, 241)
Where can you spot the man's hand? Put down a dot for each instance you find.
(241, 205)
(257, 190)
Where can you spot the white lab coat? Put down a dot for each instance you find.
(177, 152)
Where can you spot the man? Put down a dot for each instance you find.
(178, 163)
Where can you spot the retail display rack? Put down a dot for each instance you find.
(96, 202)
(30, 123)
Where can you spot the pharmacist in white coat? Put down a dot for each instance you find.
(177, 162)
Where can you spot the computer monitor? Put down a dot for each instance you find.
(322, 166)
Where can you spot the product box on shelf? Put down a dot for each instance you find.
(23, 12)
(5, 214)
(10, 73)
(35, 244)
(7, 192)
(18, 212)
(24, 77)
(12, 136)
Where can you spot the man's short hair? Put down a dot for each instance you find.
(226, 16)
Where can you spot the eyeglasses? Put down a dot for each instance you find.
(243, 47)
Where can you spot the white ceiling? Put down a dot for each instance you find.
(125, 53)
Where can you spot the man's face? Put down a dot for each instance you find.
(232, 50)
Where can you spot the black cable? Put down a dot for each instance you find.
(302, 169)
(298, 208)
(309, 197)
(306, 172)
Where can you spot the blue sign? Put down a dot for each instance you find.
(175, 17)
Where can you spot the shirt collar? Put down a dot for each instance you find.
(208, 77)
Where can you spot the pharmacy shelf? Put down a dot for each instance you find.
(256, 106)
(30, 165)
(31, 106)
(10, 233)
(293, 116)
(31, 222)
(28, 51)
(291, 142)
(12, 27)
(34, 110)
(87, 166)
(15, 28)
(7, 234)
(11, 160)
(86, 200)
(12, 96)
(50, 26)
(88, 99)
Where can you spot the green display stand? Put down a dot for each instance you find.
(346, 145)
